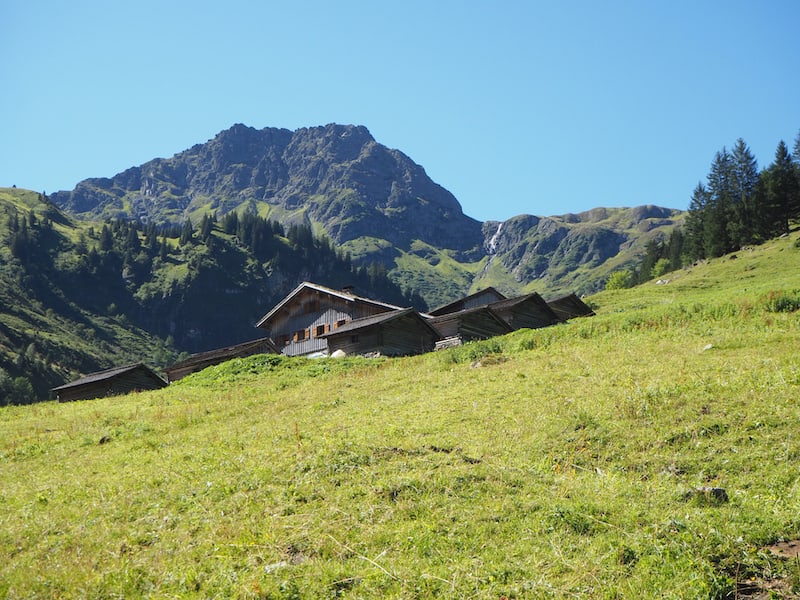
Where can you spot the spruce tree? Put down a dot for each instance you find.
(720, 209)
(187, 232)
(796, 156)
(744, 184)
(696, 223)
(781, 191)
(106, 239)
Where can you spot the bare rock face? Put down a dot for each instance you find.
(335, 176)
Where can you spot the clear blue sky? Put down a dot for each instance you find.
(514, 106)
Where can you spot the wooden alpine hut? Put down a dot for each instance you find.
(570, 306)
(484, 297)
(201, 360)
(528, 311)
(477, 323)
(298, 324)
(397, 333)
(111, 382)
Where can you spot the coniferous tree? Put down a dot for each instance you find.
(696, 223)
(675, 249)
(13, 222)
(719, 211)
(796, 152)
(206, 226)
(187, 232)
(796, 156)
(781, 190)
(744, 183)
(106, 239)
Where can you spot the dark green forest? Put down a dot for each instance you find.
(135, 292)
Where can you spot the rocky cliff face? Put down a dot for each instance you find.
(336, 177)
(553, 252)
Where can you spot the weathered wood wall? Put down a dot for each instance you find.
(297, 329)
(396, 338)
(124, 383)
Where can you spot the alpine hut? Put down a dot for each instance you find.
(484, 297)
(395, 333)
(570, 306)
(201, 360)
(111, 382)
(477, 323)
(528, 311)
(300, 322)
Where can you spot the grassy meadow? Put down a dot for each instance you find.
(556, 463)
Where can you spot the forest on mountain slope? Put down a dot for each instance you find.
(79, 296)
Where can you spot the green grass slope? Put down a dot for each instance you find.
(557, 463)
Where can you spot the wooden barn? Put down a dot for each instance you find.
(397, 333)
(482, 298)
(299, 323)
(570, 306)
(529, 311)
(477, 323)
(111, 382)
(201, 360)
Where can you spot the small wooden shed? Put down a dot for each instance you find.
(529, 311)
(111, 382)
(570, 306)
(478, 323)
(396, 333)
(484, 297)
(201, 360)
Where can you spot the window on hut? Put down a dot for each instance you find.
(319, 330)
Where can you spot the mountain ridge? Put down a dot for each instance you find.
(376, 204)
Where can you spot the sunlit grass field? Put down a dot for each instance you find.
(557, 463)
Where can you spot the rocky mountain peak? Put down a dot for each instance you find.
(374, 201)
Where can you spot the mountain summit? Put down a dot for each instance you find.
(336, 178)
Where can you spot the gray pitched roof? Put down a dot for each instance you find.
(380, 319)
(223, 353)
(570, 306)
(109, 374)
(457, 304)
(325, 290)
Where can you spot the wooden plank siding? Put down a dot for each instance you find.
(472, 324)
(396, 333)
(526, 312)
(111, 382)
(299, 323)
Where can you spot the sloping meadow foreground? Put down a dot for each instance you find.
(582, 460)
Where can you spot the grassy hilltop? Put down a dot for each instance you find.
(556, 463)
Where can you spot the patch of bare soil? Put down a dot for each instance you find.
(790, 549)
(770, 588)
(764, 589)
